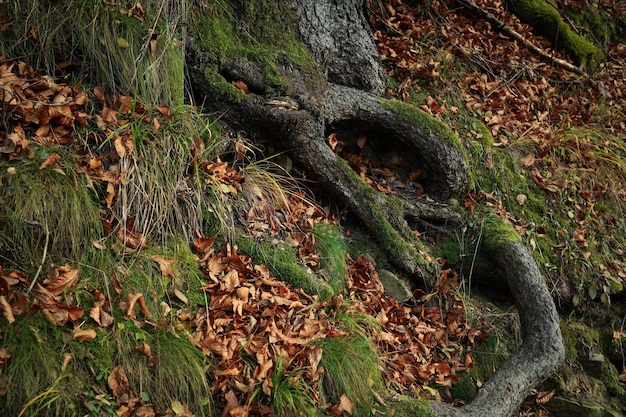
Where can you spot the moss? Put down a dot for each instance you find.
(488, 355)
(497, 234)
(391, 240)
(282, 261)
(546, 19)
(418, 117)
(258, 31)
(409, 407)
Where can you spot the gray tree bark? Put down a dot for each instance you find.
(349, 102)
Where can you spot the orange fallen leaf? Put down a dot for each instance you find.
(84, 334)
(165, 265)
(61, 278)
(242, 86)
(5, 307)
(118, 381)
(51, 160)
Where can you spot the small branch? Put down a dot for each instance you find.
(508, 31)
(43, 259)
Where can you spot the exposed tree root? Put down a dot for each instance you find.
(508, 31)
(301, 127)
(542, 349)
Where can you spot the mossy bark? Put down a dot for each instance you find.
(547, 21)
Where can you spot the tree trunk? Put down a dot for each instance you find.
(348, 102)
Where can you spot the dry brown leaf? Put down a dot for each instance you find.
(51, 160)
(231, 280)
(61, 278)
(5, 358)
(131, 239)
(94, 313)
(7, 313)
(345, 404)
(545, 396)
(165, 265)
(84, 334)
(57, 316)
(241, 86)
(118, 381)
(164, 111)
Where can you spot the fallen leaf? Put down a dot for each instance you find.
(51, 160)
(528, 160)
(5, 358)
(84, 334)
(180, 296)
(241, 86)
(118, 381)
(345, 404)
(61, 278)
(6, 309)
(165, 265)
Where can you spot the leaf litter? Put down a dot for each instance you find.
(252, 320)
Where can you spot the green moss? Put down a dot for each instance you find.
(418, 117)
(408, 407)
(391, 240)
(282, 261)
(258, 31)
(497, 234)
(547, 20)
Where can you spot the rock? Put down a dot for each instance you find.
(559, 406)
(394, 286)
(593, 365)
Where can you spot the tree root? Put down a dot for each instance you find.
(508, 31)
(542, 349)
(300, 126)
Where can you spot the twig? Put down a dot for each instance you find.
(43, 259)
(508, 31)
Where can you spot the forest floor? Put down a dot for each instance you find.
(547, 152)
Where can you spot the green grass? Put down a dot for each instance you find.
(291, 396)
(332, 250)
(180, 373)
(128, 53)
(36, 380)
(351, 364)
(50, 211)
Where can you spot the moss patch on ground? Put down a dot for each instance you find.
(282, 261)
